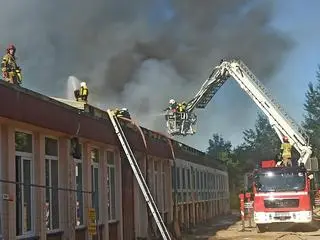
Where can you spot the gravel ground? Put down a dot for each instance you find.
(229, 227)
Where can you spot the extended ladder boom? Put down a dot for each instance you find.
(140, 179)
(279, 120)
(207, 90)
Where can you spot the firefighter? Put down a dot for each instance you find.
(182, 107)
(123, 112)
(285, 151)
(82, 93)
(172, 105)
(11, 72)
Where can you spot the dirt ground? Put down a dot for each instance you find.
(229, 227)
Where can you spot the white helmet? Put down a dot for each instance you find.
(124, 109)
(172, 101)
(83, 84)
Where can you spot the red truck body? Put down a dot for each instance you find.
(281, 194)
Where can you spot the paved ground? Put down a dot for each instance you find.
(229, 227)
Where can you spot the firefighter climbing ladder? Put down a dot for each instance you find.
(140, 179)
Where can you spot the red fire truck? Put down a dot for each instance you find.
(281, 194)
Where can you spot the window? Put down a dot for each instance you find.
(95, 180)
(178, 178)
(178, 192)
(183, 178)
(173, 177)
(155, 172)
(24, 149)
(188, 179)
(52, 195)
(164, 189)
(79, 187)
(193, 179)
(111, 185)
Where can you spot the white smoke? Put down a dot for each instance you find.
(73, 83)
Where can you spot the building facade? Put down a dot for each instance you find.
(49, 194)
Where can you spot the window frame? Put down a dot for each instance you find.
(114, 166)
(164, 189)
(29, 157)
(96, 165)
(156, 182)
(52, 158)
(30, 232)
(76, 161)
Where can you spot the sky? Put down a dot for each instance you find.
(141, 54)
(289, 85)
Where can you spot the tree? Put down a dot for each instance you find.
(261, 142)
(312, 116)
(219, 148)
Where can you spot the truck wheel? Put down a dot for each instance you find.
(262, 228)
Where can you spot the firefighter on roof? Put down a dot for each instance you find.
(285, 150)
(9, 68)
(82, 93)
(123, 112)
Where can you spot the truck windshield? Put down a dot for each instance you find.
(278, 182)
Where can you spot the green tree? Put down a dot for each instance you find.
(262, 142)
(312, 116)
(219, 148)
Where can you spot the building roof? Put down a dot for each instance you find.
(66, 116)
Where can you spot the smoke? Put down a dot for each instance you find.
(139, 54)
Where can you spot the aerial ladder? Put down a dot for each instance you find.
(278, 118)
(139, 176)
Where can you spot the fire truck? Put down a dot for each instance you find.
(281, 194)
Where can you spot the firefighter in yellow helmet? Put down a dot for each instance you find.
(182, 107)
(285, 150)
(11, 72)
(82, 93)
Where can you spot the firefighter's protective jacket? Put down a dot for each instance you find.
(286, 150)
(8, 64)
(84, 92)
(181, 107)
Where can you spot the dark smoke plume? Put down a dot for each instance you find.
(141, 53)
